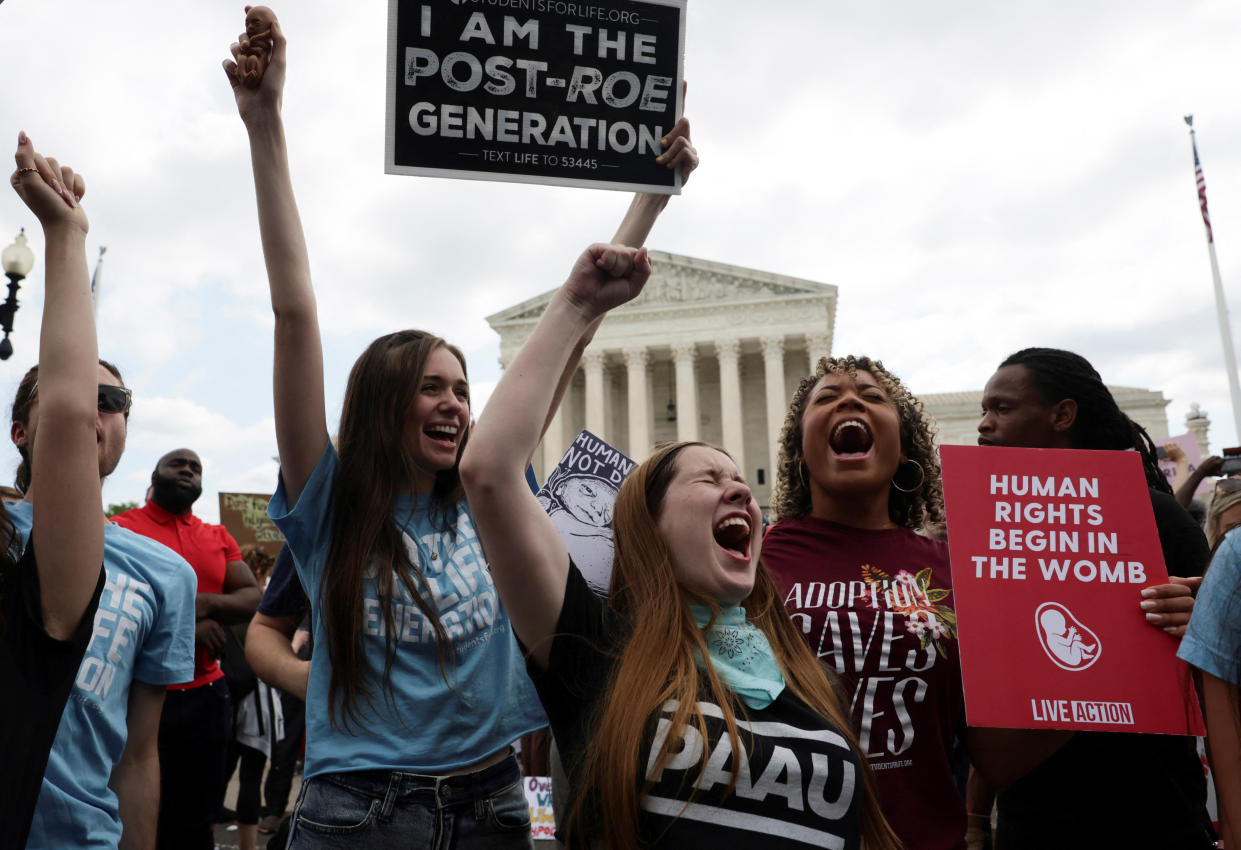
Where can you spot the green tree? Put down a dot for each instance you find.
(119, 508)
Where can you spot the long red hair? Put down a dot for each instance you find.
(657, 664)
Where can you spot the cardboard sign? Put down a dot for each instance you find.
(539, 798)
(245, 517)
(578, 496)
(564, 92)
(1050, 551)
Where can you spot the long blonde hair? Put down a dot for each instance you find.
(1220, 502)
(657, 664)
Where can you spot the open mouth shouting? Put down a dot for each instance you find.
(732, 534)
(851, 440)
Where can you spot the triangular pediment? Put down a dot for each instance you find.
(681, 280)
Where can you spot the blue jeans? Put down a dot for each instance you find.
(379, 808)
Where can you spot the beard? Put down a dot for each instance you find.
(170, 495)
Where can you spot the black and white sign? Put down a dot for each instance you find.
(578, 496)
(564, 92)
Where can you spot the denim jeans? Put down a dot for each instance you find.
(379, 808)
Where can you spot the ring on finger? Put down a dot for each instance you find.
(26, 169)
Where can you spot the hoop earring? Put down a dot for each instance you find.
(921, 479)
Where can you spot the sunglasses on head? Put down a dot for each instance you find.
(1228, 485)
(112, 399)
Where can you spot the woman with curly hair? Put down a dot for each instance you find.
(688, 710)
(858, 479)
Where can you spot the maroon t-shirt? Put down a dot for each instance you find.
(877, 608)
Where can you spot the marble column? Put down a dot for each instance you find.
(639, 404)
(731, 424)
(817, 345)
(683, 354)
(777, 404)
(592, 364)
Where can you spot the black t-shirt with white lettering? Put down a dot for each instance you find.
(799, 785)
(36, 675)
(1118, 790)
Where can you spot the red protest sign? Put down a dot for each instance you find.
(1050, 550)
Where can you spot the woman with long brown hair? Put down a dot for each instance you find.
(417, 686)
(687, 709)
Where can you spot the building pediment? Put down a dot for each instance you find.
(680, 281)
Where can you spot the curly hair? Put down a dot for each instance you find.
(791, 496)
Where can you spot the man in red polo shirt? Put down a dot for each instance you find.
(197, 721)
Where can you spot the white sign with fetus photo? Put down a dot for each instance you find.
(579, 496)
(1066, 640)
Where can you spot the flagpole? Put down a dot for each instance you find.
(94, 278)
(1221, 305)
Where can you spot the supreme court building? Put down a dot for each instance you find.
(714, 352)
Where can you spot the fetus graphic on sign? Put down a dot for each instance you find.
(1067, 641)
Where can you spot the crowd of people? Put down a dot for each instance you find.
(707, 699)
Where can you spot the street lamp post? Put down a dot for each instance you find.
(17, 260)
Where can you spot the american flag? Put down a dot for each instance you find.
(1202, 192)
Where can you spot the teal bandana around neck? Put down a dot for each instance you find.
(741, 655)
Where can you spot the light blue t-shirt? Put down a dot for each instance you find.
(1213, 640)
(423, 724)
(144, 630)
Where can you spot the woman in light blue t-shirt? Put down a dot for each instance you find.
(417, 686)
(47, 607)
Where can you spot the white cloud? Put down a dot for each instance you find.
(975, 177)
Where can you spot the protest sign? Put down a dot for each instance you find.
(579, 496)
(1179, 457)
(565, 92)
(245, 517)
(539, 798)
(1050, 550)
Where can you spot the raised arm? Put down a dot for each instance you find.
(301, 420)
(1209, 467)
(528, 560)
(68, 517)
(644, 209)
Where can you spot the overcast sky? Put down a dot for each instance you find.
(975, 177)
